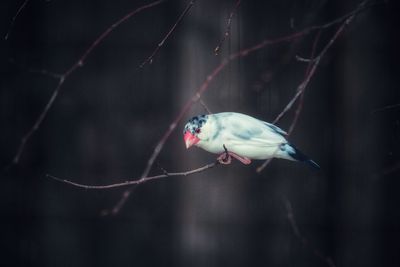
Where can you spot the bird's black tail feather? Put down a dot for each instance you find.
(299, 156)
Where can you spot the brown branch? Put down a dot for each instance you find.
(313, 67)
(228, 27)
(301, 101)
(205, 106)
(290, 215)
(205, 85)
(160, 44)
(61, 79)
(138, 181)
(169, 131)
(310, 74)
(14, 18)
(195, 98)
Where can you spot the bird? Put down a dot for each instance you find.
(242, 137)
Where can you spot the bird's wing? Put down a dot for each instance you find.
(249, 137)
(245, 130)
(276, 128)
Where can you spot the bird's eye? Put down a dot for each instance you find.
(197, 130)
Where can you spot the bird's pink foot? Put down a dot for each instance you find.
(226, 158)
(243, 160)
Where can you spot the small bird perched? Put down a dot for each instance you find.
(242, 137)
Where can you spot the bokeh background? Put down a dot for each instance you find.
(110, 114)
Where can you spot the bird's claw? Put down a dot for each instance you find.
(226, 158)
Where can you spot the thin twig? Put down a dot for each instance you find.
(169, 131)
(301, 101)
(302, 59)
(290, 215)
(205, 85)
(135, 182)
(313, 68)
(160, 44)
(265, 164)
(228, 27)
(161, 168)
(204, 106)
(44, 72)
(79, 63)
(14, 18)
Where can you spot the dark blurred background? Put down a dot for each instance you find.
(110, 114)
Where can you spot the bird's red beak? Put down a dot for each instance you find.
(190, 139)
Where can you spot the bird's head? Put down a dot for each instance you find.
(193, 130)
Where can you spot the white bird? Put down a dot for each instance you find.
(242, 137)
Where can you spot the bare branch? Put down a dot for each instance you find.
(14, 18)
(262, 166)
(169, 131)
(290, 215)
(135, 182)
(205, 106)
(160, 44)
(161, 168)
(44, 72)
(312, 67)
(228, 27)
(79, 63)
(302, 59)
(300, 104)
(205, 85)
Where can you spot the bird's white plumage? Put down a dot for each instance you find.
(243, 135)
